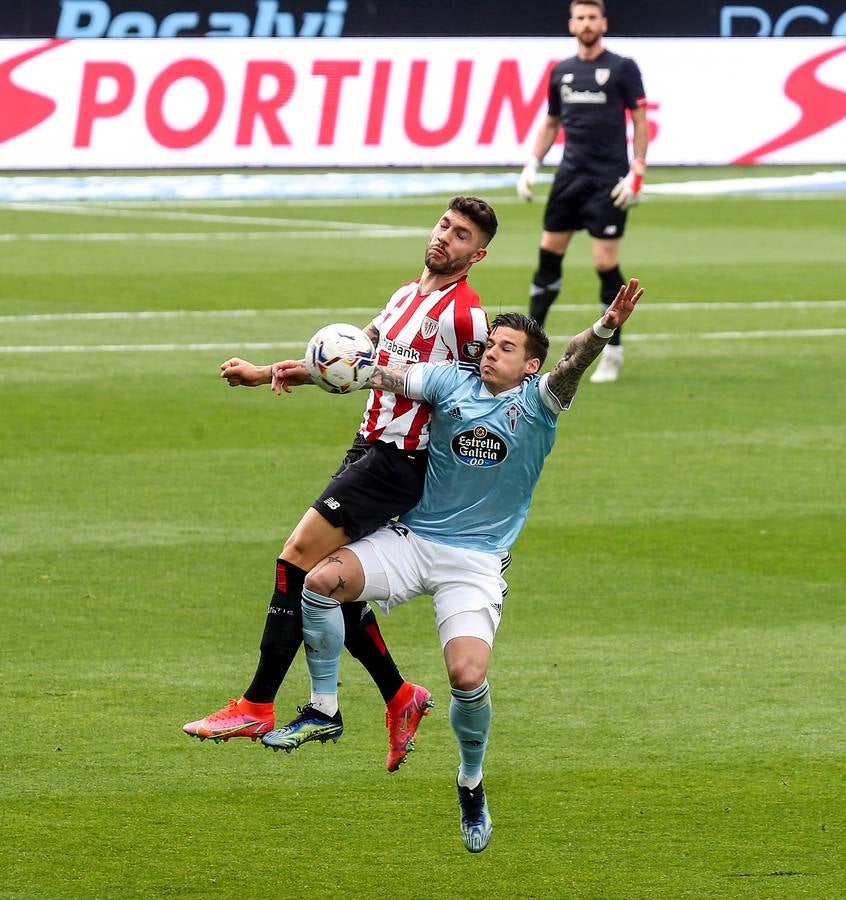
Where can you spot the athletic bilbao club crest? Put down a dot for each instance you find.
(602, 75)
(429, 328)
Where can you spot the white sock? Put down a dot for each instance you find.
(326, 703)
(469, 781)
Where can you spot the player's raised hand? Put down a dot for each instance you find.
(626, 192)
(527, 179)
(623, 305)
(287, 374)
(241, 373)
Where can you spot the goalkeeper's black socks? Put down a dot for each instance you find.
(546, 283)
(364, 641)
(610, 282)
(283, 634)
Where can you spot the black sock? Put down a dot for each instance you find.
(610, 281)
(546, 283)
(283, 634)
(364, 641)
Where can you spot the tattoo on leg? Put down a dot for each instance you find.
(341, 583)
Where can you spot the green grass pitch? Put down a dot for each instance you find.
(668, 683)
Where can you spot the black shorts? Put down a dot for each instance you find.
(375, 482)
(578, 201)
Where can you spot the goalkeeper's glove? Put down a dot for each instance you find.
(626, 192)
(527, 179)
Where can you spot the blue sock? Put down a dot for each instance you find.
(323, 636)
(470, 715)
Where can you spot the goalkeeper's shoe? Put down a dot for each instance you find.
(310, 725)
(239, 718)
(476, 823)
(610, 363)
(402, 716)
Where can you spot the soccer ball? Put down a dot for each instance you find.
(340, 358)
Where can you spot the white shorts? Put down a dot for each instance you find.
(466, 586)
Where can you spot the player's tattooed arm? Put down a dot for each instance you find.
(585, 347)
(567, 372)
(387, 379)
(373, 333)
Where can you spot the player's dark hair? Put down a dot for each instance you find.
(479, 213)
(537, 342)
(598, 3)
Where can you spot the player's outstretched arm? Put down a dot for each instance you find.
(387, 379)
(241, 373)
(288, 374)
(586, 346)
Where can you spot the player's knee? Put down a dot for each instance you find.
(320, 581)
(466, 674)
(296, 550)
(307, 546)
(548, 273)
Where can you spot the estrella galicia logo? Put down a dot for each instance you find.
(479, 448)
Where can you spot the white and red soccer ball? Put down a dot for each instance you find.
(340, 358)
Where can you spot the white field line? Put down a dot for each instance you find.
(737, 335)
(63, 237)
(287, 345)
(91, 209)
(369, 311)
(189, 314)
(152, 348)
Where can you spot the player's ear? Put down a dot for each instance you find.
(533, 366)
(478, 256)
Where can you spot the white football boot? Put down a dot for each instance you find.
(610, 363)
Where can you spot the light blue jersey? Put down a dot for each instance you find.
(486, 453)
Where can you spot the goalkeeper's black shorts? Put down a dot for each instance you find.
(581, 202)
(375, 483)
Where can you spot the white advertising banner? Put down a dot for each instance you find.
(389, 102)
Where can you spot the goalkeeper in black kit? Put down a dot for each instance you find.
(595, 184)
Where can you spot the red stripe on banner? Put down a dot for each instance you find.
(820, 107)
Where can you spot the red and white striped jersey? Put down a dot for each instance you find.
(445, 324)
